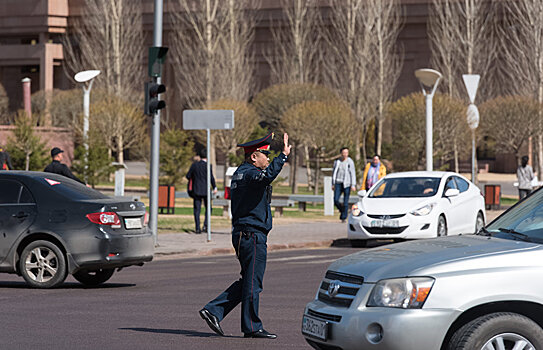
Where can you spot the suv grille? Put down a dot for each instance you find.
(324, 316)
(348, 286)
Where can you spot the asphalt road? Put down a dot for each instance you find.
(156, 306)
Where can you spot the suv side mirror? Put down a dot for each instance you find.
(362, 193)
(451, 192)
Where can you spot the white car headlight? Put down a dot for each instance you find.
(423, 210)
(356, 211)
(405, 293)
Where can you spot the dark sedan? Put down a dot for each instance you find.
(52, 226)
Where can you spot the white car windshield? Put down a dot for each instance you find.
(405, 187)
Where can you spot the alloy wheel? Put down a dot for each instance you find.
(508, 341)
(41, 264)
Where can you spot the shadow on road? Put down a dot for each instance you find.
(69, 285)
(189, 333)
(372, 243)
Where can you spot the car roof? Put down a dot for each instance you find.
(436, 174)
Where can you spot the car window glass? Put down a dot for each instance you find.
(73, 189)
(9, 191)
(526, 217)
(450, 183)
(462, 184)
(405, 187)
(26, 197)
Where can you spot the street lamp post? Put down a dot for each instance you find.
(428, 79)
(84, 77)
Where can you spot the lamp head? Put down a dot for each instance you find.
(86, 75)
(427, 77)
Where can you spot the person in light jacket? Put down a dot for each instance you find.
(525, 175)
(343, 181)
(373, 171)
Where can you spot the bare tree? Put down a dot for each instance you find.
(295, 55)
(386, 63)
(210, 45)
(462, 40)
(522, 46)
(350, 41)
(109, 37)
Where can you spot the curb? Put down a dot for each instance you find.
(230, 251)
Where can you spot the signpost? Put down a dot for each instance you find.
(471, 81)
(208, 120)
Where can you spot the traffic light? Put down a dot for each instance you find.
(152, 103)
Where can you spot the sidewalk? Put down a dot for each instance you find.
(294, 235)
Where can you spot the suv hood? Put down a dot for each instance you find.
(431, 257)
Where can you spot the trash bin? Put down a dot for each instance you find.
(166, 199)
(493, 196)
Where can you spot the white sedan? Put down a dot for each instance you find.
(418, 204)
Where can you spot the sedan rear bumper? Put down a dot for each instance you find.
(112, 251)
(400, 329)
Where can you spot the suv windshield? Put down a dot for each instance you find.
(525, 218)
(406, 187)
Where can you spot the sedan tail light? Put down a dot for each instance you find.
(105, 218)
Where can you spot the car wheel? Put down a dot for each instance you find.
(479, 222)
(502, 330)
(42, 265)
(359, 243)
(93, 278)
(441, 226)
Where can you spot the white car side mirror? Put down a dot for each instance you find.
(362, 193)
(451, 192)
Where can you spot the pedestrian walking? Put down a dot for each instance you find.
(373, 171)
(525, 176)
(251, 222)
(5, 160)
(198, 176)
(343, 181)
(57, 167)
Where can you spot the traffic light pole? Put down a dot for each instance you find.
(155, 134)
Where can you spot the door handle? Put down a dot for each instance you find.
(20, 215)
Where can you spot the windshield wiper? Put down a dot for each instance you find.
(516, 234)
(483, 232)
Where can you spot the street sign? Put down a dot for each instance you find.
(472, 83)
(208, 119)
(473, 116)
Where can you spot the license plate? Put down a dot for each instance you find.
(132, 223)
(385, 223)
(315, 328)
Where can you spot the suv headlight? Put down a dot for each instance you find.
(423, 210)
(356, 211)
(405, 293)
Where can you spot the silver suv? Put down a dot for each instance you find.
(473, 292)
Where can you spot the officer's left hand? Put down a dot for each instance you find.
(286, 147)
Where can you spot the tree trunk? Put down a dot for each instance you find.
(317, 173)
(120, 148)
(456, 167)
(293, 169)
(308, 167)
(27, 161)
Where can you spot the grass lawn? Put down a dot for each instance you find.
(508, 201)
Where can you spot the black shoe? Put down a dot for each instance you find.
(211, 321)
(204, 229)
(262, 333)
(197, 231)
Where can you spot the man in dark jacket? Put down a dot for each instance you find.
(57, 167)
(198, 174)
(251, 221)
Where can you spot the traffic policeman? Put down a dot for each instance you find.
(251, 192)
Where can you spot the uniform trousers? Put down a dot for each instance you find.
(251, 250)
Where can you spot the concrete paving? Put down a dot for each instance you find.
(287, 235)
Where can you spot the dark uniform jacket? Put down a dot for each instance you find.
(251, 195)
(198, 174)
(61, 169)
